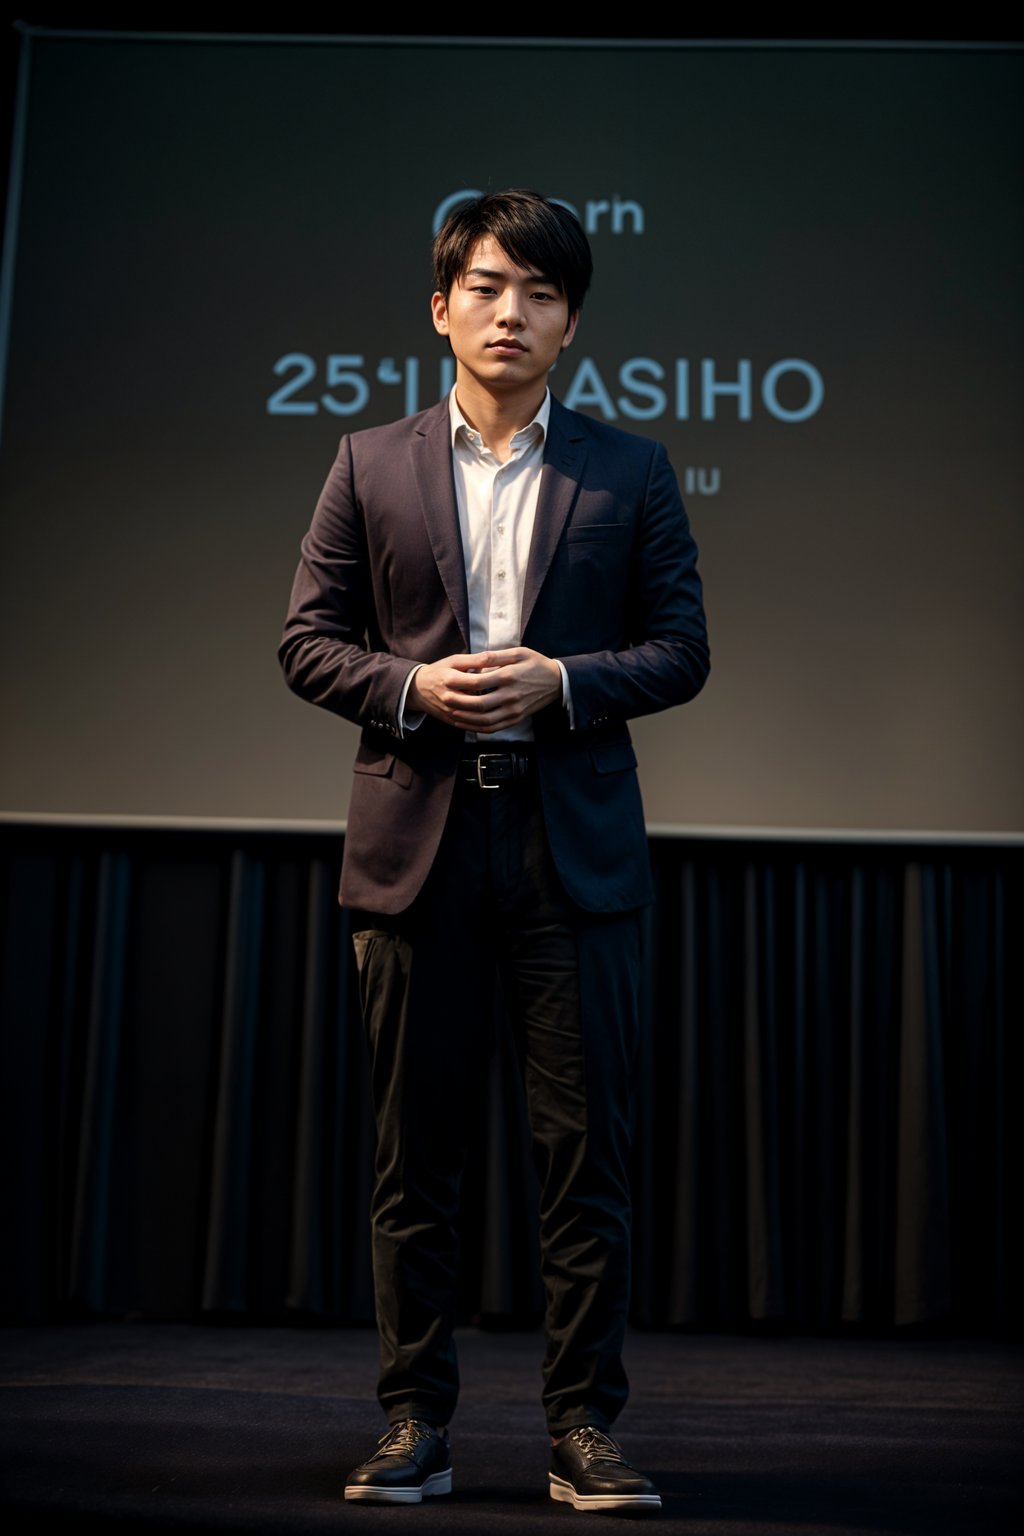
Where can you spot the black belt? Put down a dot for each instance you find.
(496, 770)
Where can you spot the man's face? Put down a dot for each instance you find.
(506, 325)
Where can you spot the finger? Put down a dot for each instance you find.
(489, 715)
(469, 685)
(468, 663)
(472, 713)
(481, 706)
(490, 680)
(505, 658)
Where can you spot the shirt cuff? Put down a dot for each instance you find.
(416, 717)
(566, 694)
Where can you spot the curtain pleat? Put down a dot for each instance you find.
(95, 1181)
(922, 1207)
(29, 991)
(226, 1270)
(857, 1132)
(313, 1278)
(825, 1111)
(680, 1000)
(763, 1115)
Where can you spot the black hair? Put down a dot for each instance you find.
(535, 234)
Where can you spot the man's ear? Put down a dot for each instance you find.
(439, 310)
(570, 329)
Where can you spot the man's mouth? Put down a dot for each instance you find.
(506, 346)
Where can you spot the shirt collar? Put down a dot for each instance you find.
(457, 419)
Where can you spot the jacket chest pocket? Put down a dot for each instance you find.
(599, 546)
(600, 535)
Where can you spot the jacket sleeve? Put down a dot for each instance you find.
(325, 651)
(666, 658)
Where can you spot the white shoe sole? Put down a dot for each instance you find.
(437, 1482)
(565, 1493)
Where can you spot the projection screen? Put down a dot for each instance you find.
(808, 285)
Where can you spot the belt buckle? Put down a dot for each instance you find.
(483, 757)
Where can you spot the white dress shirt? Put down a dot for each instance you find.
(497, 508)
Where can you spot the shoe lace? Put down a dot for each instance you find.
(402, 1439)
(597, 1446)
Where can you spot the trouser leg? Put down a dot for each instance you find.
(426, 1002)
(572, 981)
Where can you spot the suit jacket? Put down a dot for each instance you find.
(611, 590)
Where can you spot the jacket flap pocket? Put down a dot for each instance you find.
(613, 756)
(383, 765)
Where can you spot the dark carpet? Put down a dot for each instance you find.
(150, 1427)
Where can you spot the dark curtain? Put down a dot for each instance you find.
(826, 1111)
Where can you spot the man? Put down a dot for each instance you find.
(491, 589)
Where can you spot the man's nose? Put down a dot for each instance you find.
(510, 311)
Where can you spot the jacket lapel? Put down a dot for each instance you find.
(565, 454)
(431, 450)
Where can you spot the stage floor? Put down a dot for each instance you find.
(151, 1427)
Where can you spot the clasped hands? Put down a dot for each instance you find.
(488, 691)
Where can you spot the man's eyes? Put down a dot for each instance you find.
(487, 292)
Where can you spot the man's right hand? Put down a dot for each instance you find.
(488, 691)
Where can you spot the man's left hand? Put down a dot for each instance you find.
(520, 682)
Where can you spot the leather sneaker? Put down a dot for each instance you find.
(589, 1471)
(411, 1462)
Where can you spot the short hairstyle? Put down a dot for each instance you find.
(536, 234)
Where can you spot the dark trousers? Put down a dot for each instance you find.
(494, 903)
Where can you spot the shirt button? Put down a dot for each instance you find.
(501, 575)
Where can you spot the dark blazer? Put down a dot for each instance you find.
(611, 590)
